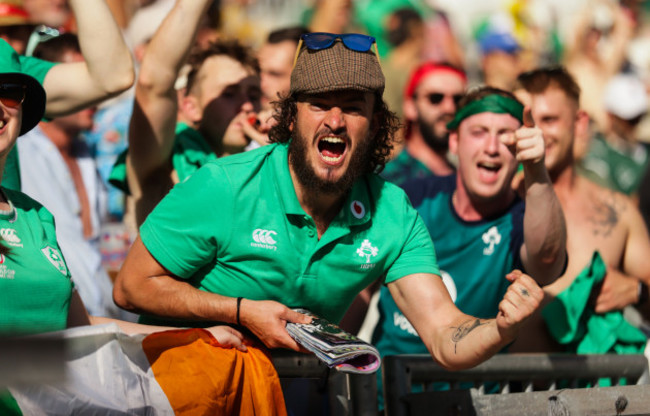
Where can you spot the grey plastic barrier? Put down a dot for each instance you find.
(526, 384)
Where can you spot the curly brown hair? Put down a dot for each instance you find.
(389, 123)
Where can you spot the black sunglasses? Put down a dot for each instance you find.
(436, 98)
(12, 95)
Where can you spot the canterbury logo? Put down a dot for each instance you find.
(9, 235)
(264, 236)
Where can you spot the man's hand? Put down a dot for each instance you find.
(527, 143)
(256, 130)
(615, 292)
(267, 320)
(521, 300)
(241, 131)
(228, 337)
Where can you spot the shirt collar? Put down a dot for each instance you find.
(355, 210)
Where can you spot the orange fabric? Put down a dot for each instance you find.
(200, 377)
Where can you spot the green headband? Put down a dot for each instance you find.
(494, 103)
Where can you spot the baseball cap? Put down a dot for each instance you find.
(498, 41)
(626, 96)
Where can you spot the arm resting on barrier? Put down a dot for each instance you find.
(454, 339)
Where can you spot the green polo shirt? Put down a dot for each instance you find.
(35, 284)
(236, 228)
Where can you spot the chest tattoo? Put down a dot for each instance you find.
(605, 214)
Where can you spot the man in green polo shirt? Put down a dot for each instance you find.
(306, 222)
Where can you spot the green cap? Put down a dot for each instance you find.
(11, 71)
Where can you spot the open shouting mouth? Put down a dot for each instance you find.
(489, 170)
(332, 149)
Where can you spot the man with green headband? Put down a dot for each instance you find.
(479, 225)
(306, 222)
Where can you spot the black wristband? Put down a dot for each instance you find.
(238, 307)
(643, 293)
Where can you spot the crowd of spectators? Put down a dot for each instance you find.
(520, 127)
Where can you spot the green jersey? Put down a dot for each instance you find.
(189, 153)
(619, 169)
(474, 257)
(236, 228)
(404, 168)
(35, 284)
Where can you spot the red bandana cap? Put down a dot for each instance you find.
(425, 69)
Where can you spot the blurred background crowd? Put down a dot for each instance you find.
(605, 44)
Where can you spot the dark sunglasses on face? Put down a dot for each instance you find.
(12, 95)
(322, 40)
(436, 98)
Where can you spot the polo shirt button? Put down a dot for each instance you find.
(310, 233)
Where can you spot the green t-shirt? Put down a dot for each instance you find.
(236, 228)
(35, 284)
(619, 169)
(37, 68)
(189, 153)
(404, 168)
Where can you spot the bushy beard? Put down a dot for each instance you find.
(359, 165)
(439, 144)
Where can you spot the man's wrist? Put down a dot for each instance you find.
(238, 316)
(643, 293)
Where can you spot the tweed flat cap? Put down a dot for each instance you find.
(336, 68)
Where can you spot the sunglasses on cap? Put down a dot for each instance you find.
(321, 40)
(317, 41)
(436, 98)
(12, 95)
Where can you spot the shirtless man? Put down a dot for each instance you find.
(597, 219)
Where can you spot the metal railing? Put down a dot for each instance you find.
(336, 393)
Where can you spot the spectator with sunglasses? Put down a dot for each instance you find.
(37, 292)
(430, 101)
(306, 222)
(478, 223)
(106, 71)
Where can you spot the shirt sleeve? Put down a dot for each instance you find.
(418, 254)
(35, 67)
(185, 229)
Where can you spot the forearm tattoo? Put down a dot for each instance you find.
(463, 329)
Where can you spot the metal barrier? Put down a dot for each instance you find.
(518, 378)
(335, 393)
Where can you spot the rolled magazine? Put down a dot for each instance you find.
(335, 347)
